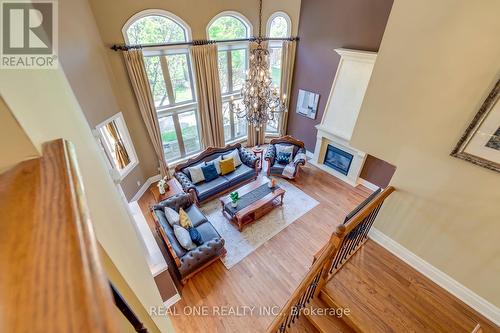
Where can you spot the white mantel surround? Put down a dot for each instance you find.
(342, 110)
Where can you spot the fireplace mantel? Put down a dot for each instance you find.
(342, 109)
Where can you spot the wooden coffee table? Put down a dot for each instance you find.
(256, 200)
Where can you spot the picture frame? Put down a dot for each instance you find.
(307, 104)
(480, 143)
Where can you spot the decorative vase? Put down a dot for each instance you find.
(234, 204)
(161, 188)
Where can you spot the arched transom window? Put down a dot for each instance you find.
(233, 63)
(168, 68)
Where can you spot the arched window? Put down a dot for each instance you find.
(278, 26)
(170, 77)
(233, 63)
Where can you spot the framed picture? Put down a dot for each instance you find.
(307, 104)
(480, 144)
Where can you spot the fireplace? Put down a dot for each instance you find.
(338, 159)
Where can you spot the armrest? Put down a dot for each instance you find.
(301, 161)
(270, 154)
(175, 202)
(248, 158)
(200, 255)
(185, 182)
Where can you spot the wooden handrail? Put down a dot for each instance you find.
(344, 242)
(52, 279)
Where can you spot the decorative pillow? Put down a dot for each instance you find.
(183, 237)
(172, 216)
(227, 166)
(196, 173)
(285, 149)
(195, 236)
(216, 163)
(235, 154)
(209, 172)
(184, 219)
(283, 158)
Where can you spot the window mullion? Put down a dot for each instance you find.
(229, 60)
(167, 79)
(178, 132)
(231, 120)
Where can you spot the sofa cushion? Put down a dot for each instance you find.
(241, 174)
(286, 149)
(235, 154)
(208, 189)
(216, 163)
(171, 215)
(207, 231)
(195, 236)
(169, 232)
(184, 219)
(283, 158)
(183, 237)
(195, 215)
(227, 166)
(210, 172)
(277, 168)
(196, 173)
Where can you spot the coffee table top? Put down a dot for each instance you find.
(252, 196)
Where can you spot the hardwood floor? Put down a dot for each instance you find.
(267, 277)
(384, 294)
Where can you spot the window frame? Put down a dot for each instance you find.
(276, 44)
(228, 47)
(121, 126)
(173, 109)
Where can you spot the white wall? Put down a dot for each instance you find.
(46, 108)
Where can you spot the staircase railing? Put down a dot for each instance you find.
(344, 242)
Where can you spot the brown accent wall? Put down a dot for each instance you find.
(325, 25)
(377, 171)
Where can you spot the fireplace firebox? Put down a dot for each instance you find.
(338, 159)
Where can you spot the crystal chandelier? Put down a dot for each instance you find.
(261, 101)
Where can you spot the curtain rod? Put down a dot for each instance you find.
(124, 47)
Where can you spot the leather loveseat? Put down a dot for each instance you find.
(204, 191)
(188, 262)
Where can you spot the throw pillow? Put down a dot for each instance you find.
(280, 148)
(183, 237)
(196, 173)
(283, 158)
(195, 236)
(235, 154)
(184, 219)
(216, 163)
(172, 216)
(209, 172)
(227, 166)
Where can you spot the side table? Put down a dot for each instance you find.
(259, 150)
(174, 187)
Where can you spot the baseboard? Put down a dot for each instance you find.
(172, 300)
(458, 290)
(145, 187)
(367, 184)
(309, 154)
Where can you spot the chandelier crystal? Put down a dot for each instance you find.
(261, 101)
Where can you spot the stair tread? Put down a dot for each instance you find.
(324, 322)
(384, 294)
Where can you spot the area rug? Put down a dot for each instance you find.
(240, 244)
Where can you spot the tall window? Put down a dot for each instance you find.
(278, 26)
(170, 78)
(233, 63)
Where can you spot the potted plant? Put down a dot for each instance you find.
(162, 185)
(234, 198)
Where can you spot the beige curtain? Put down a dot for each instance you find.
(209, 95)
(256, 136)
(121, 154)
(287, 63)
(137, 73)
